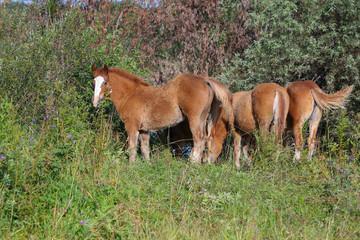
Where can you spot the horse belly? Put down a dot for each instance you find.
(161, 116)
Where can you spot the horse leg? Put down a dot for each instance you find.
(314, 121)
(198, 132)
(247, 140)
(264, 129)
(237, 148)
(133, 134)
(298, 139)
(144, 140)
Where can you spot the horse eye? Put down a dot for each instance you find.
(105, 83)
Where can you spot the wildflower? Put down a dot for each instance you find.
(31, 138)
(54, 125)
(331, 161)
(134, 181)
(47, 116)
(350, 159)
(82, 222)
(123, 205)
(346, 176)
(69, 201)
(2, 156)
(53, 110)
(74, 141)
(70, 135)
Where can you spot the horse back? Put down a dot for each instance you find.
(263, 100)
(191, 92)
(243, 118)
(301, 100)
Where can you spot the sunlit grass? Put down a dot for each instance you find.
(82, 186)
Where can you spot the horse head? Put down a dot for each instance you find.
(100, 82)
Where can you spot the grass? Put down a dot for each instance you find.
(63, 176)
(102, 196)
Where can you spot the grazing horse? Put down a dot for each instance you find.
(180, 134)
(145, 108)
(307, 102)
(252, 110)
(256, 109)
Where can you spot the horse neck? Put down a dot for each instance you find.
(122, 88)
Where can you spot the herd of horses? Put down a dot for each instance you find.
(203, 111)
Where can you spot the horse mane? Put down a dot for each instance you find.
(129, 76)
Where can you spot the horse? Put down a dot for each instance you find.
(307, 102)
(267, 103)
(180, 134)
(144, 108)
(252, 110)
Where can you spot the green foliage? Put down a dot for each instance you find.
(40, 59)
(297, 40)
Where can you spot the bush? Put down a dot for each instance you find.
(300, 40)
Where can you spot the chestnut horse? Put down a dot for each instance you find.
(253, 110)
(180, 134)
(307, 102)
(145, 108)
(257, 109)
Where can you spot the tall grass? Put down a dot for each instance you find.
(67, 181)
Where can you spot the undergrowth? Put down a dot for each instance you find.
(64, 178)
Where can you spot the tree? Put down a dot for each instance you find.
(298, 40)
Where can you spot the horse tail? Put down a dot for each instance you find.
(224, 98)
(222, 94)
(280, 110)
(331, 101)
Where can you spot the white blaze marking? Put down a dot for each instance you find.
(98, 82)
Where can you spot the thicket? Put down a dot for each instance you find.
(301, 40)
(63, 166)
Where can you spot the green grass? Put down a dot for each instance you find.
(65, 176)
(103, 196)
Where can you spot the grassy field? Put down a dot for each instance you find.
(63, 180)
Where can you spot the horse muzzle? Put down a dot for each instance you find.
(96, 101)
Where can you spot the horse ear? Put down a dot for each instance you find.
(106, 69)
(93, 68)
